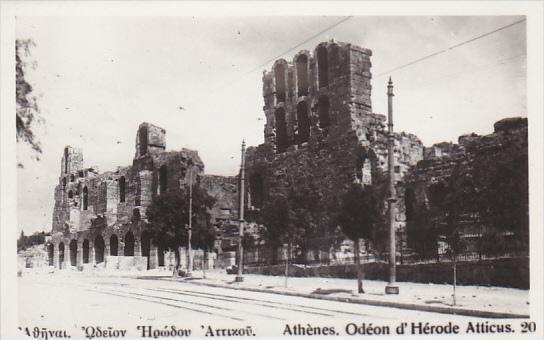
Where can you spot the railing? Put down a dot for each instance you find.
(265, 258)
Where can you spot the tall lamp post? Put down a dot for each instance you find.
(391, 288)
(239, 277)
(190, 226)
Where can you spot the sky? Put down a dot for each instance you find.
(98, 78)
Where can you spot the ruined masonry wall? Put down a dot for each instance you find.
(90, 211)
(331, 158)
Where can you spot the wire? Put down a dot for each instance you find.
(450, 48)
(472, 71)
(258, 67)
(301, 43)
(344, 19)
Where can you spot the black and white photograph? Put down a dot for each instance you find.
(271, 170)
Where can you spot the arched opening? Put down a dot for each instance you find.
(142, 136)
(61, 254)
(85, 198)
(114, 245)
(146, 247)
(85, 251)
(281, 130)
(290, 83)
(129, 244)
(163, 179)
(279, 74)
(365, 166)
(122, 188)
(303, 122)
(51, 254)
(302, 75)
(65, 160)
(136, 214)
(70, 194)
(64, 183)
(322, 66)
(73, 253)
(366, 172)
(72, 178)
(256, 188)
(323, 110)
(161, 256)
(99, 247)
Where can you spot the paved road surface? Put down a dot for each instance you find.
(70, 301)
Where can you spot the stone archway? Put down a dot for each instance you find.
(85, 251)
(51, 254)
(161, 256)
(366, 164)
(114, 245)
(61, 254)
(129, 244)
(73, 253)
(99, 247)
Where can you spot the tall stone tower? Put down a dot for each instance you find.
(320, 133)
(67, 191)
(316, 94)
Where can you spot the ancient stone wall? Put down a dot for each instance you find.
(225, 190)
(442, 158)
(97, 215)
(336, 140)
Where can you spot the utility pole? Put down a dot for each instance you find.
(190, 227)
(391, 288)
(239, 277)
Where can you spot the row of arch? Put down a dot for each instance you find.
(163, 184)
(70, 250)
(302, 73)
(302, 132)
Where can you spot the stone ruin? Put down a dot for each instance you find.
(99, 216)
(320, 130)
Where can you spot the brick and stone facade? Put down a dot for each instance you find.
(320, 128)
(441, 160)
(102, 215)
(320, 131)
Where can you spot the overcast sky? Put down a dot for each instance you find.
(99, 78)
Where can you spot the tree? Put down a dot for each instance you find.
(358, 215)
(276, 217)
(25, 242)
(27, 109)
(308, 218)
(204, 238)
(21, 242)
(168, 216)
(502, 179)
(455, 198)
(422, 236)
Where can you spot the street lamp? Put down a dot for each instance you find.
(190, 225)
(239, 277)
(391, 288)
